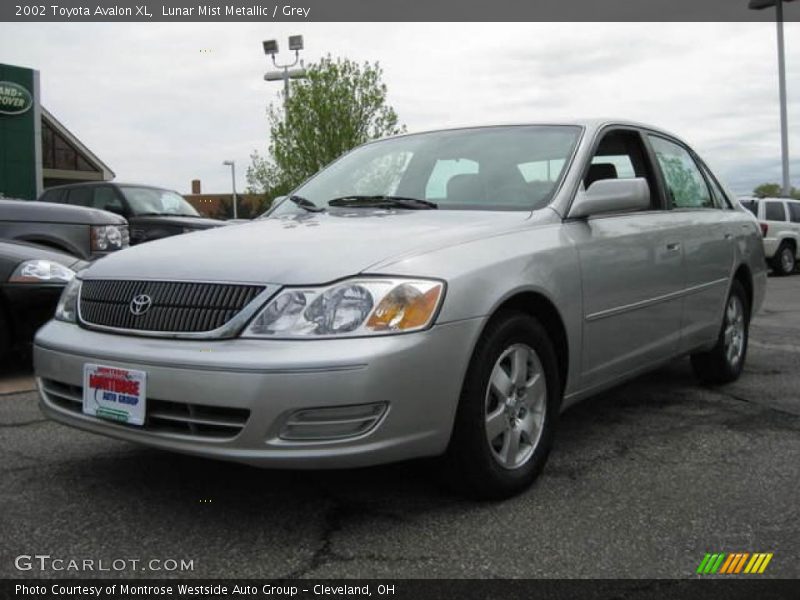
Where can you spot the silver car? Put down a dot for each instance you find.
(439, 294)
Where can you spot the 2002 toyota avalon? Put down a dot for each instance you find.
(445, 293)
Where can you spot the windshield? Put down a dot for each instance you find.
(491, 168)
(151, 201)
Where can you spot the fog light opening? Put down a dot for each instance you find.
(336, 423)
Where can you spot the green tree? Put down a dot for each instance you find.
(773, 190)
(339, 105)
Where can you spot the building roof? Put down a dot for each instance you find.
(87, 154)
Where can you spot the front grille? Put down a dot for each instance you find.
(162, 416)
(176, 307)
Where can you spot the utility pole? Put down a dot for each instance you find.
(232, 165)
(778, 4)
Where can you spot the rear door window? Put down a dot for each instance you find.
(80, 196)
(774, 211)
(50, 196)
(105, 198)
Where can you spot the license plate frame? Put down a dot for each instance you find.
(115, 394)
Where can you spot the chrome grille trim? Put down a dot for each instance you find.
(182, 309)
(162, 416)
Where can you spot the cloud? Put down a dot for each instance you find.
(166, 103)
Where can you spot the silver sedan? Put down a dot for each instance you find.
(440, 294)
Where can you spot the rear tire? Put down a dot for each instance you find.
(784, 262)
(508, 411)
(724, 362)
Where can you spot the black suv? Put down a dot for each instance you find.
(152, 212)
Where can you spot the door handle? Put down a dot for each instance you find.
(673, 247)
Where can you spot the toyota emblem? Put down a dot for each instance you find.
(141, 304)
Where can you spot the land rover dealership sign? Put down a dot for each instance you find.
(14, 99)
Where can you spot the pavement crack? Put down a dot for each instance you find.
(334, 518)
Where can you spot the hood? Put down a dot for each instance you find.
(177, 221)
(48, 212)
(305, 249)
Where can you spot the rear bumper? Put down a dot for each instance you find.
(417, 376)
(770, 247)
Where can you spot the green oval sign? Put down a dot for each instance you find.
(14, 99)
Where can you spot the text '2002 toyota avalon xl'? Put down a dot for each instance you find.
(445, 293)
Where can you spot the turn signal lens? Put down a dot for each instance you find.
(406, 307)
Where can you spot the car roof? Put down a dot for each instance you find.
(590, 124)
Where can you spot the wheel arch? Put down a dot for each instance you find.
(745, 277)
(542, 308)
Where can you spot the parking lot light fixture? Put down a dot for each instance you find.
(286, 71)
(778, 4)
(232, 165)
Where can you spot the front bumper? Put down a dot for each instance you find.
(418, 376)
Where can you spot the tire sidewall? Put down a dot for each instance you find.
(739, 290)
(469, 436)
(784, 249)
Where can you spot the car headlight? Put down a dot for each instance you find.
(358, 307)
(108, 237)
(67, 308)
(41, 271)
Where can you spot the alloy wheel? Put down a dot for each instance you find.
(515, 406)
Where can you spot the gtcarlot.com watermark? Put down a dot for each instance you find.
(46, 562)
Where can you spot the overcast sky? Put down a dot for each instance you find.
(157, 110)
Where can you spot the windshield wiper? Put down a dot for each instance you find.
(306, 204)
(383, 202)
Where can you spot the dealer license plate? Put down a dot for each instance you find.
(114, 394)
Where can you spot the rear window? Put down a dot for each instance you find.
(751, 205)
(774, 211)
(50, 196)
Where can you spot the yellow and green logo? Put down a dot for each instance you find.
(734, 563)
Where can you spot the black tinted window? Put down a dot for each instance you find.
(794, 212)
(774, 211)
(50, 196)
(80, 196)
(751, 205)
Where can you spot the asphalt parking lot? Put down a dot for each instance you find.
(643, 481)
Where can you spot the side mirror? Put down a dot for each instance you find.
(611, 195)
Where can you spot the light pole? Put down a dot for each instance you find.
(232, 165)
(778, 4)
(285, 72)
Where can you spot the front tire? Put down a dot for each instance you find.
(784, 262)
(724, 362)
(508, 410)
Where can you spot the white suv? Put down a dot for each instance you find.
(780, 223)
